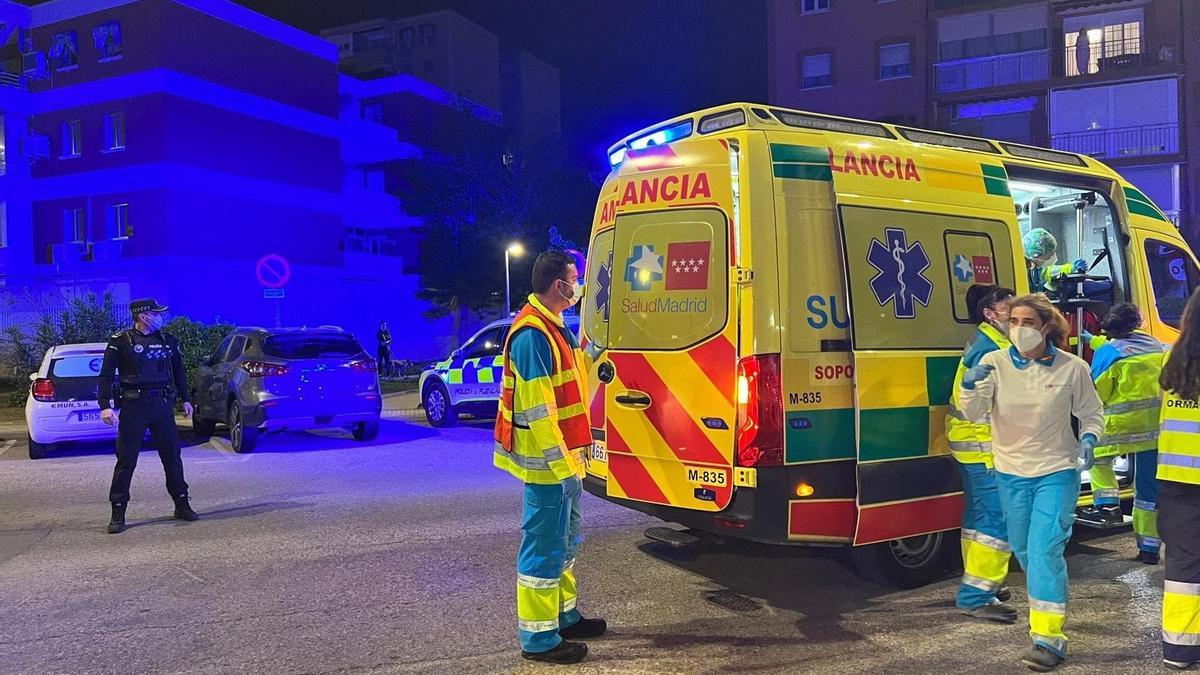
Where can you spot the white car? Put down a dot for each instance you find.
(62, 404)
(468, 381)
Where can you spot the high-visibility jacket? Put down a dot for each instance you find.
(1126, 372)
(971, 442)
(1041, 277)
(1179, 440)
(542, 426)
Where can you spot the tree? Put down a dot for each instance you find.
(85, 318)
(197, 340)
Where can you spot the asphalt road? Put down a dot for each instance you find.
(317, 554)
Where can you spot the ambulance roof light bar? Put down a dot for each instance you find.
(659, 136)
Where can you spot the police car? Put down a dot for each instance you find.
(468, 382)
(62, 403)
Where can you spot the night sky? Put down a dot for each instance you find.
(624, 64)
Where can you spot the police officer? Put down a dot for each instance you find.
(149, 364)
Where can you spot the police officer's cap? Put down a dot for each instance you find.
(143, 305)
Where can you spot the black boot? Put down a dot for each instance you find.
(117, 524)
(584, 629)
(564, 654)
(183, 510)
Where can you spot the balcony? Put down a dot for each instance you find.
(992, 71)
(1143, 141)
(15, 80)
(1104, 57)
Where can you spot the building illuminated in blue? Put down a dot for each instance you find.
(163, 147)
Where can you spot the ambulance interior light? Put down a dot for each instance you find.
(1023, 186)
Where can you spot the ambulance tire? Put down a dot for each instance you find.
(436, 402)
(907, 563)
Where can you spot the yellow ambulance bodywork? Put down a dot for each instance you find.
(782, 300)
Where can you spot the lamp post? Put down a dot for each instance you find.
(514, 250)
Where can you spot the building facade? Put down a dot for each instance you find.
(1107, 78)
(206, 155)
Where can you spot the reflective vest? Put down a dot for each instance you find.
(1179, 440)
(1126, 371)
(542, 427)
(971, 442)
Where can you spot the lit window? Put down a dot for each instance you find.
(894, 61)
(64, 50)
(72, 139)
(811, 6)
(107, 37)
(74, 226)
(817, 71)
(114, 132)
(117, 222)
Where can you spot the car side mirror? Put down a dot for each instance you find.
(456, 353)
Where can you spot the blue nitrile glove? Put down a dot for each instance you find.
(1087, 337)
(976, 375)
(1079, 266)
(1087, 452)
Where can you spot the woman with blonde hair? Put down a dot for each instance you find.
(1031, 390)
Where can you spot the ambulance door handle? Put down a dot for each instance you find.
(633, 399)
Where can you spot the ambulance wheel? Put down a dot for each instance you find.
(37, 450)
(436, 401)
(906, 563)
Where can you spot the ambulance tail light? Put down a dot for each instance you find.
(43, 389)
(263, 369)
(759, 411)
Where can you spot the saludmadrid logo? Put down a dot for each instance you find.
(664, 305)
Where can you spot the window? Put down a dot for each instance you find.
(1102, 42)
(816, 71)
(428, 31)
(1131, 119)
(74, 227)
(894, 61)
(813, 6)
(72, 139)
(373, 112)
(114, 132)
(487, 344)
(219, 353)
(1173, 275)
(107, 37)
(117, 222)
(236, 347)
(301, 345)
(64, 50)
(366, 40)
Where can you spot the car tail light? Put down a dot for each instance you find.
(364, 366)
(43, 389)
(759, 411)
(263, 369)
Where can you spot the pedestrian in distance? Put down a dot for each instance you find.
(985, 548)
(1179, 493)
(384, 351)
(147, 365)
(1126, 367)
(1031, 390)
(542, 432)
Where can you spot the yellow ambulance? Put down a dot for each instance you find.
(781, 296)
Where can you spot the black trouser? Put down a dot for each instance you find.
(158, 415)
(385, 361)
(1179, 528)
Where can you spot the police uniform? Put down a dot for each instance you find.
(149, 368)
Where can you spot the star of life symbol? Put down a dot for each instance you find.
(604, 281)
(901, 278)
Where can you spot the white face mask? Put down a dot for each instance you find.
(1026, 339)
(1049, 261)
(576, 293)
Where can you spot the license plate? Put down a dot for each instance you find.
(599, 452)
(702, 476)
(89, 416)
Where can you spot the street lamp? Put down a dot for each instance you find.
(514, 250)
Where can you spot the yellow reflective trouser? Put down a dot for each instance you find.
(546, 588)
(1179, 523)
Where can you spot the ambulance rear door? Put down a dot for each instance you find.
(907, 276)
(669, 397)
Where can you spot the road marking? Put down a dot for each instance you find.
(8, 445)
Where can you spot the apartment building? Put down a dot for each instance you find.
(1107, 78)
(165, 147)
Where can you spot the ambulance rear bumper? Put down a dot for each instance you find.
(757, 514)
